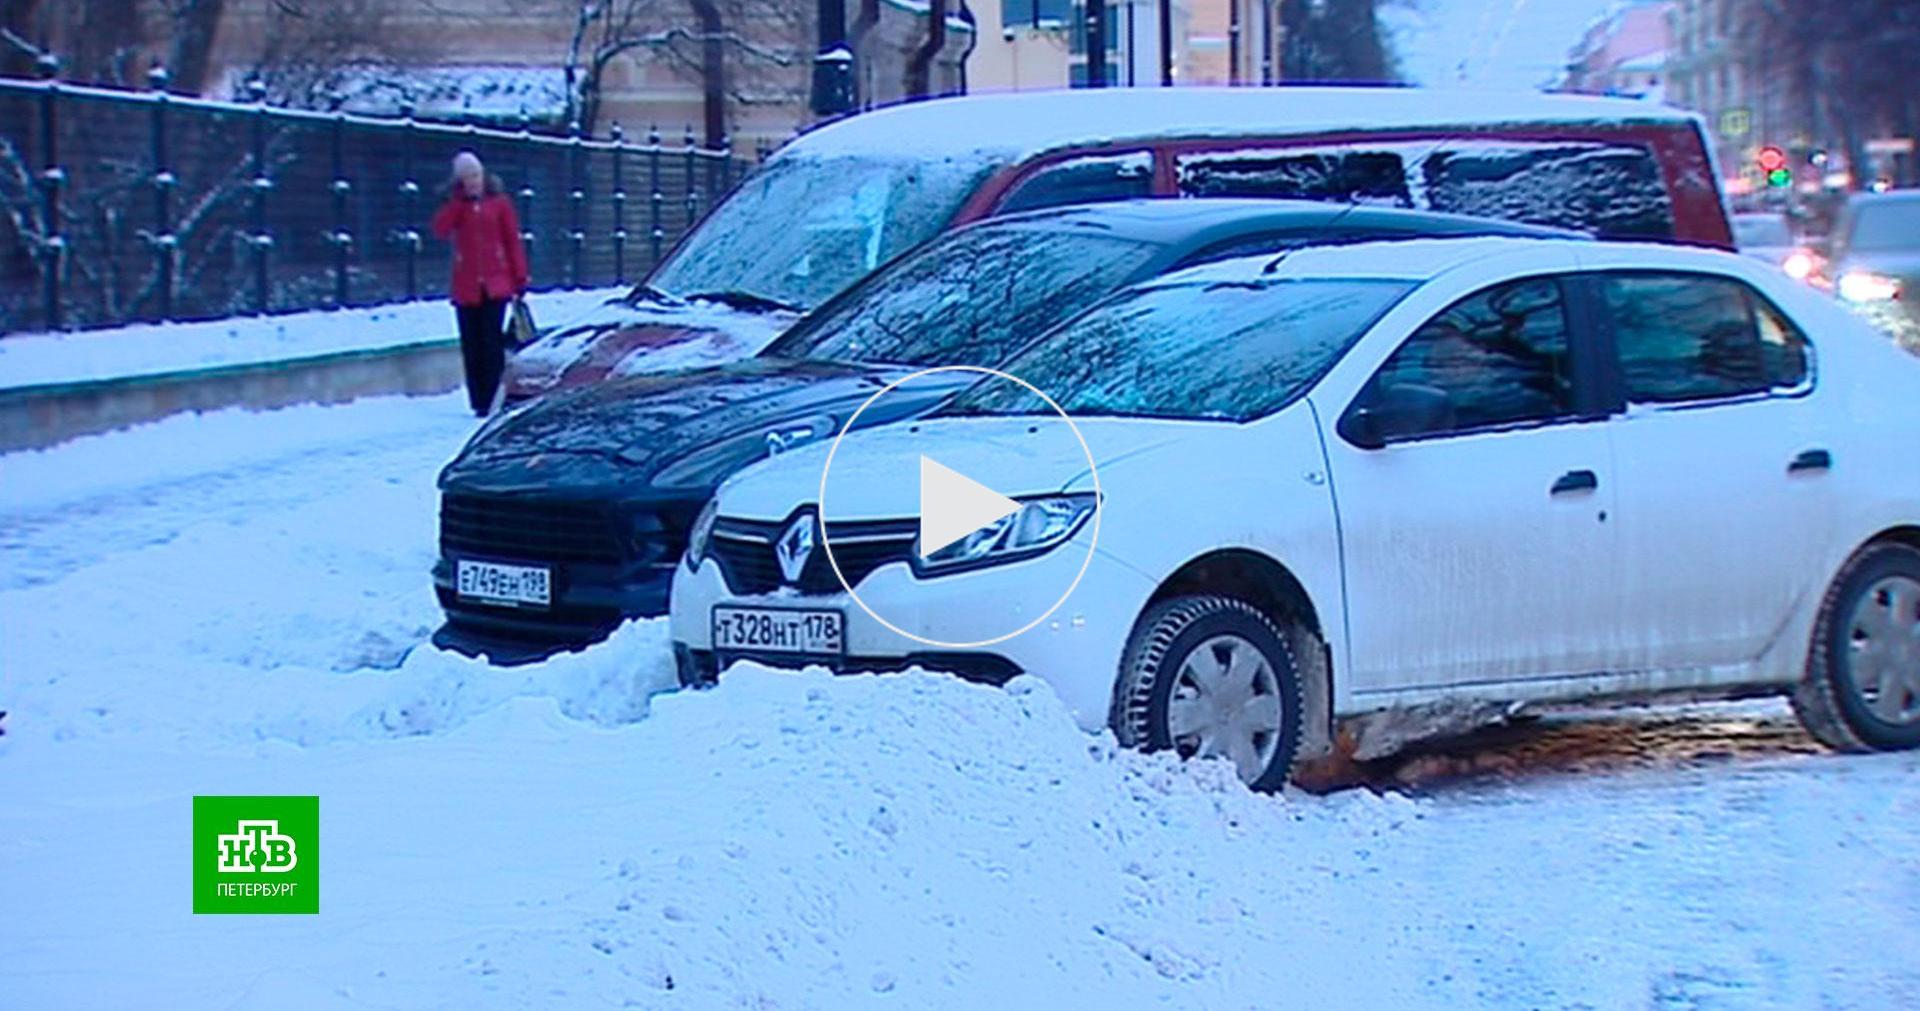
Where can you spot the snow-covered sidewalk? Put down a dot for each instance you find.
(34, 359)
(234, 603)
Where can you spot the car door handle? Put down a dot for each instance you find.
(1576, 480)
(1812, 459)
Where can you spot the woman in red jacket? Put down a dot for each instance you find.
(489, 271)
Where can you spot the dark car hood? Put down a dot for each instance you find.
(634, 337)
(615, 436)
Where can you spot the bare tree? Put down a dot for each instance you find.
(192, 27)
(314, 50)
(1846, 64)
(740, 52)
(1334, 40)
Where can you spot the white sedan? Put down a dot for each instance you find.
(1356, 484)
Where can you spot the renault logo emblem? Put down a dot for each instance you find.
(795, 547)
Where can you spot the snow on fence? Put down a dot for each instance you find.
(120, 207)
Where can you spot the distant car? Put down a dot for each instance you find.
(1380, 480)
(839, 202)
(564, 518)
(1768, 237)
(1874, 249)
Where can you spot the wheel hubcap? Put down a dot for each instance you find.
(1883, 649)
(1226, 704)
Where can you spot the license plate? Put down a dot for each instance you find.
(778, 630)
(505, 584)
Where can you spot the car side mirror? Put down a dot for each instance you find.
(1396, 409)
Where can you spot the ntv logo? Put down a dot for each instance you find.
(257, 846)
(256, 854)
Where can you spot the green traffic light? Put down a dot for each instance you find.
(1779, 177)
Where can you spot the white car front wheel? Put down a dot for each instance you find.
(1212, 677)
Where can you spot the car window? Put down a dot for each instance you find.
(1087, 180)
(1885, 225)
(1498, 357)
(1689, 337)
(1783, 348)
(1338, 175)
(1606, 188)
(1212, 349)
(971, 297)
(1610, 190)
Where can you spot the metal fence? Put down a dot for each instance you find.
(145, 206)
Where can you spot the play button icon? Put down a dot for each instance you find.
(953, 505)
(865, 511)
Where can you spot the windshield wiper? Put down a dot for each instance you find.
(737, 299)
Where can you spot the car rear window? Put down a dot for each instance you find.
(1888, 224)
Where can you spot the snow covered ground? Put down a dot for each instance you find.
(234, 603)
(32, 359)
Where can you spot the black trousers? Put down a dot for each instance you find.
(483, 348)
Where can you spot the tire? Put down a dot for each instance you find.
(1176, 669)
(1862, 687)
(695, 670)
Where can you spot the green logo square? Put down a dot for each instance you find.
(256, 854)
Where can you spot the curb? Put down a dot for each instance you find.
(36, 417)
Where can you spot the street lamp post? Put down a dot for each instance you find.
(1096, 43)
(832, 63)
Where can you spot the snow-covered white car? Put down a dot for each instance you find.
(1397, 479)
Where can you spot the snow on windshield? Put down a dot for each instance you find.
(1222, 349)
(802, 229)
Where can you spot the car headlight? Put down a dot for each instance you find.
(700, 533)
(1038, 526)
(1866, 286)
(705, 467)
(1799, 264)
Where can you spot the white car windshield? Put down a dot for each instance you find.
(1232, 350)
(802, 229)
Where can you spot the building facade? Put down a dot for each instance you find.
(1030, 44)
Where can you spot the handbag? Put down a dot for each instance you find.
(520, 330)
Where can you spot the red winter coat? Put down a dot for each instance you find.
(489, 261)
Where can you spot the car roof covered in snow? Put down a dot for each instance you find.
(1022, 124)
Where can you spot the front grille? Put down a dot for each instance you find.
(745, 551)
(534, 530)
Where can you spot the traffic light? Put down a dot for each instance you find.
(1773, 164)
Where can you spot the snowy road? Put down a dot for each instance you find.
(232, 604)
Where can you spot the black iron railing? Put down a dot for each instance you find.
(120, 206)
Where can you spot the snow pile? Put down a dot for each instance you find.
(149, 349)
(249, 619)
